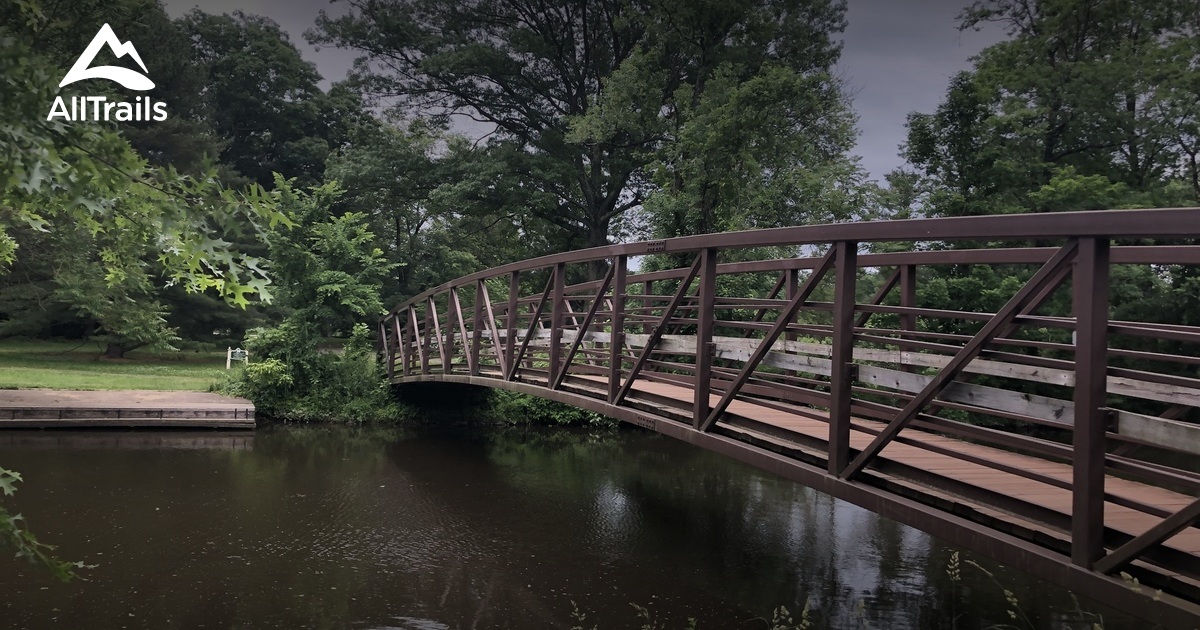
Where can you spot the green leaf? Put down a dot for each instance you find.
(8, 481)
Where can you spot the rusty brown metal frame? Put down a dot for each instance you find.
(658, 330)
(1085, 258)
(1131, 224)
(616, 339)
(510, 323)
(990, 330)
(557, 379)
(1130, 551)
(477, 327)
(557, 311)
(419, 339)
(706, 296)
(841, 357)
(501, 356)
(388, 351)
(515, 363)
(781, 323)
(1090, 296)
(432, 312)
(470, 354)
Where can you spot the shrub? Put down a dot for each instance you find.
(292, 380)
(515, 408)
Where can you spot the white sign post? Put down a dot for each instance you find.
(235, 354)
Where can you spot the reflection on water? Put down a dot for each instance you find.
(332, 528)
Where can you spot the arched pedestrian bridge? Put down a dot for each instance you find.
(1044, 434)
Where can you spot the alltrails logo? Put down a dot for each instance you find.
(99, 108)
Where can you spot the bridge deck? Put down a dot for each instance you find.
(801, 430)
(1044, 434)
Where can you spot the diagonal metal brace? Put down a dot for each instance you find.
(462, 329)
(1026, 297)
(533, 324)
(582, 330)
(491, 324)
(884, 290)
(1165, 529)
(437, 332)
(402, 345)
(422, 347)
(659, 329)
(781, 323)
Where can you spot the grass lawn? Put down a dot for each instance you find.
(69, 365)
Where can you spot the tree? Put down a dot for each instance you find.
(1084, 88)
(578, 90)
(753, 129)
(264, 100)
(440, 208)
(330, 269)
(331, 272)
(125, 219)
(1089, 105)
(389, 174)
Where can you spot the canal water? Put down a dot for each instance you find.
(471, 528)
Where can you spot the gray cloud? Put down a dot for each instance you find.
(898, 57)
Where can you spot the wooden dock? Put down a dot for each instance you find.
(53, 408)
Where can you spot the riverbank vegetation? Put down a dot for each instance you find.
(272, 209)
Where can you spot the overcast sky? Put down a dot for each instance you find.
(898, 57)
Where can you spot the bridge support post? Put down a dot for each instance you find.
(791, 285)
(447, 346)
(842, 355)
(908, 299)
(1090, 283)
(401, 343)
(705, 317)
(425, 345)
(556, 323)
(477, 327)
(510, 322)
(389, 355)
(616, 345)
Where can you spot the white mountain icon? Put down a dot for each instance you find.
(129, 78)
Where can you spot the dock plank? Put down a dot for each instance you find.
(53, 408)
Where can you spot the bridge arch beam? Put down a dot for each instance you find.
(879, 402)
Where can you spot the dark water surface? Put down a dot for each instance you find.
(338, 528)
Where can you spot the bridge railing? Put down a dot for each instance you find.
(798, 337)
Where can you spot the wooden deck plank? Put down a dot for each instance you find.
(1117, 517)
(50, 408)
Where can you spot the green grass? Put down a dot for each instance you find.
(69, 365)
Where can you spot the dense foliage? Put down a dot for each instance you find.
(1090, 104)
(270, 202)
(272, 212)
(331, 274)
